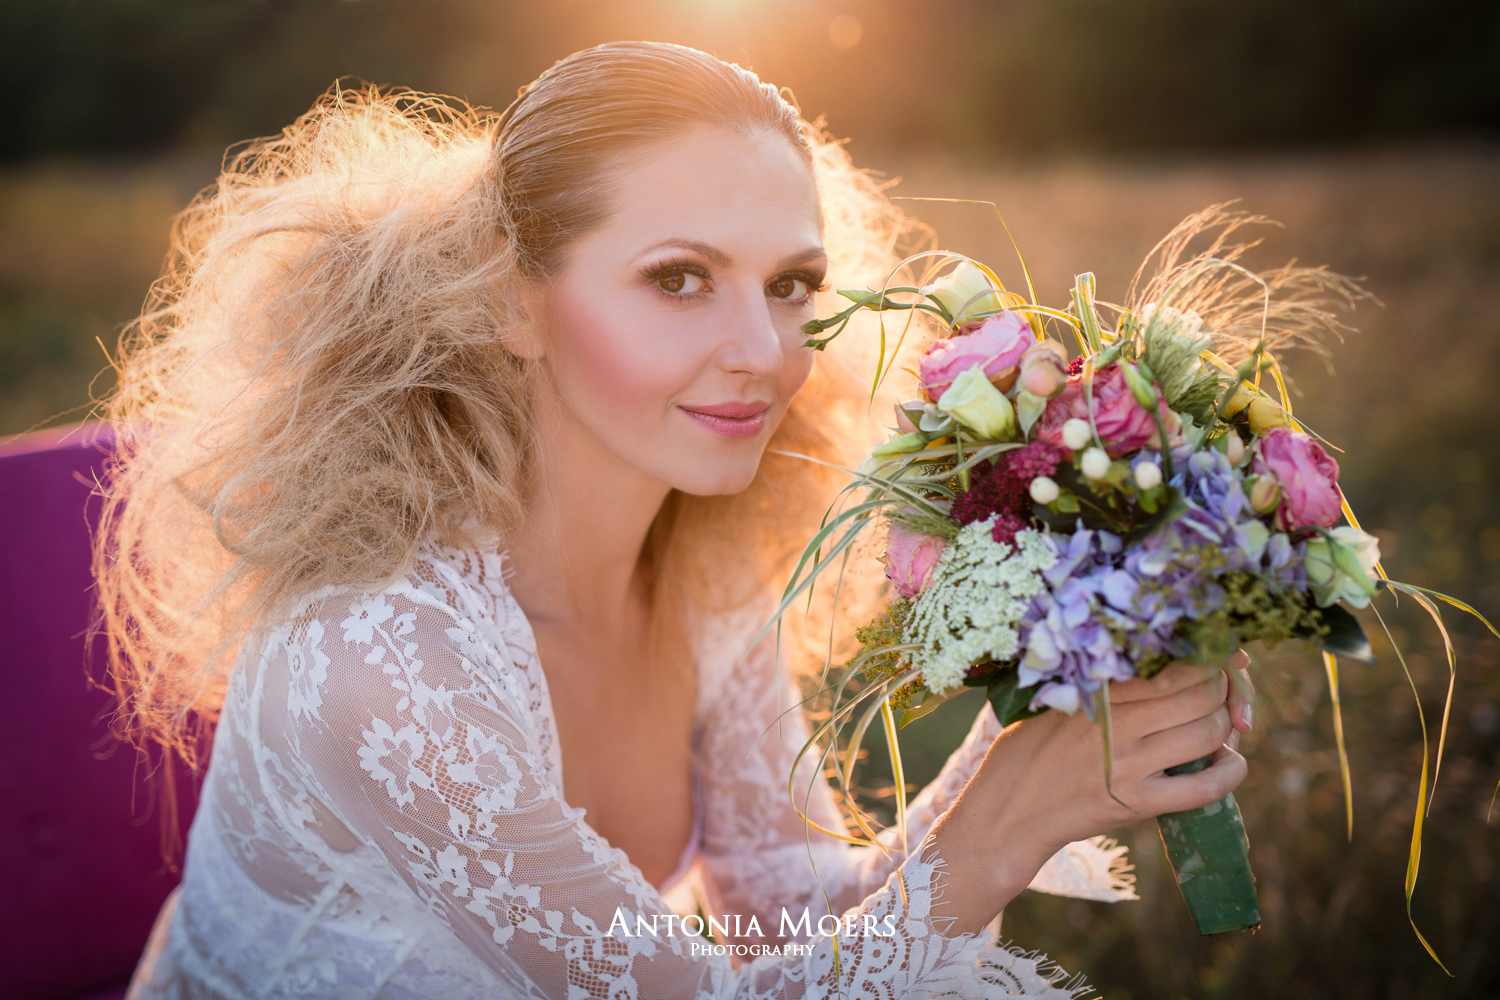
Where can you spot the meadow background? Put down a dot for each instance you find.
(1370, 131)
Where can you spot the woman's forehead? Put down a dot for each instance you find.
(717, 188)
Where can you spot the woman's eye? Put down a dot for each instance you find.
(681, 282)
(788, 287)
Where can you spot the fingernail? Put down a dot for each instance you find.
(1249, 714)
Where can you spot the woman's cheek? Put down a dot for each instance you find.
(624, 372)
(796, 368)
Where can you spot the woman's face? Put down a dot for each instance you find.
(671, 336)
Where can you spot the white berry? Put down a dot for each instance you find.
(1148, 475)
(1095, 463)
(1077, 434)
(1044, 489)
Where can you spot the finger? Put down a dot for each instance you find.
(1233, 742)
(1241, 692)
(1185, 743)
(1139, 719)
(1170, 680)
(1178, 793)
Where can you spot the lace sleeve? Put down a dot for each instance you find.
(406, 744)
(759, 854)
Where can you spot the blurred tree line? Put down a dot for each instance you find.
(1012, 77)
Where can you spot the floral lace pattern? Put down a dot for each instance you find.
(383, 816)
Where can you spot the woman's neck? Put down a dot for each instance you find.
(576, 558)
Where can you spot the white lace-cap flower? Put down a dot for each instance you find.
(971, 610)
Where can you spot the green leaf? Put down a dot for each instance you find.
(1107, 356)
(1411, 587)
(1346, 637)
(1414, 855)
(1011, 703)
(893, 744)
(1331, 668)
(983, 677)
(915, 441)
(1083, 301)
(1029, 410)
(1139, 387)
(929, 705)
(1107, 730)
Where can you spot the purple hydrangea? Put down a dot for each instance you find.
(1107, 608)
(1069, 646)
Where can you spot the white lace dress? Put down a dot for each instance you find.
(384, 817)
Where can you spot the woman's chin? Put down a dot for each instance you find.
(715, 477)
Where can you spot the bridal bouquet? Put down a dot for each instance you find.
(1056, 524)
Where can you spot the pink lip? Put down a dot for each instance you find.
(731, 420)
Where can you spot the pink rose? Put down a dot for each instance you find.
(1044, 369)
(1124, 424)
(998, 344)
(910, 558)
(1308, 476)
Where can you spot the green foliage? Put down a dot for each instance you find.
(1343, 635)
(886, 630)
(1251, 612)
(1009, 699)
(1114, 503)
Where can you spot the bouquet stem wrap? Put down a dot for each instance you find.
(1211, 857)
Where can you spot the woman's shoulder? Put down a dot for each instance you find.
(450, 596)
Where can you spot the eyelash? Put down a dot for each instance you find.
(656, 273)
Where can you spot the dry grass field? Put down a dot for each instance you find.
(1413, 399)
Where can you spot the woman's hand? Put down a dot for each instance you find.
(1042, 786)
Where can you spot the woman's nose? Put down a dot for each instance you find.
(754, 344)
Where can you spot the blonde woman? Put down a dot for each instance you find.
(445, 484)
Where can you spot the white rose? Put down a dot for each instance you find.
(964, 291)
(1348, 578)
(978, 405)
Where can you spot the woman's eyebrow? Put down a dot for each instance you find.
(708, 250)
(812, 255)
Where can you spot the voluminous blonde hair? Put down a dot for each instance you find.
(319, 381)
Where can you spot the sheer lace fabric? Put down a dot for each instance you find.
(383, 816)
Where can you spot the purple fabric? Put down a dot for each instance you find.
(81, 868)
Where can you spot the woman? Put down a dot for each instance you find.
(445, 484)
